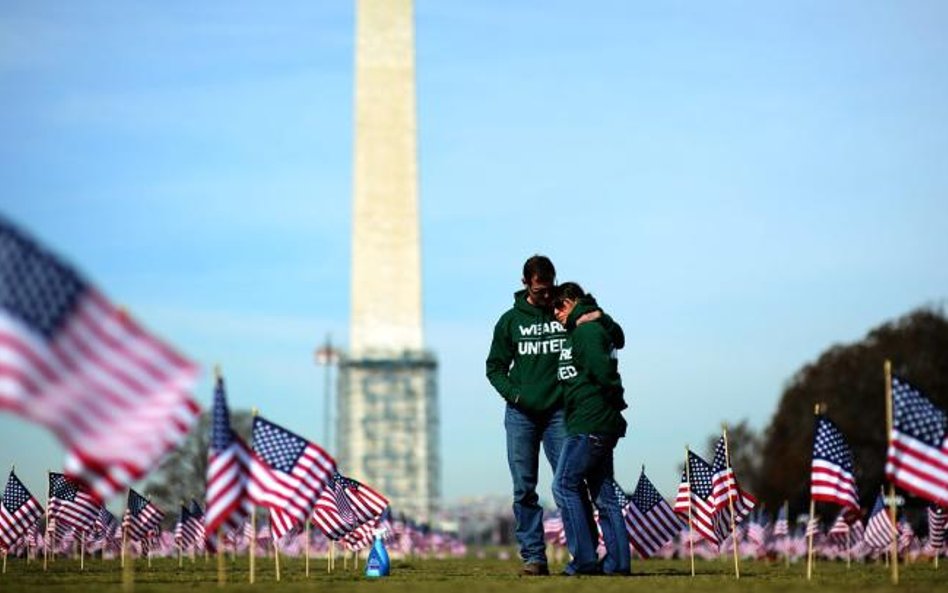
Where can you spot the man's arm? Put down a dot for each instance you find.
(498, 362)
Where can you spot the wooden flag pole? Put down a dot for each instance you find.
(809, 542)
(892, 504)
(730, 502)
(849, 549)
(221, 571)
(306, 545)
(329, 555)
(809, 535)
(786, 513)
(691, 530)
(128, 568)
(253, 527)
(253, 543)
(4, 562)
(178, 543)
(46, 547)
(124, 543)
(82, 552)
(276, 554)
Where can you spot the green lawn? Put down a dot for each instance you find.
(460, 576)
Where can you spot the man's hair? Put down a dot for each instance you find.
(539, 267)
(567, 291)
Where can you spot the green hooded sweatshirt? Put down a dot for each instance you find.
(589, 371)
(523, 356)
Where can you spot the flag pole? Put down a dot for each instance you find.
(786, 513)
(887, 367)
(276, 550)
(306, 544)
(849, 549)
(730, 502)
(691, 531)
(178, 542)
(82, 551)
(253, 526)
(329, 555)
(809, 535)
(46, 547)
(221, 571)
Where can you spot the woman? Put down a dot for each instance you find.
(593, 401)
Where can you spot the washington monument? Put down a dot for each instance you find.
(387, 407)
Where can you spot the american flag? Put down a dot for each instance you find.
(831, 474)
(115, 396)
(195, 524)
(287, 473)
(345, 505)
(228, 472)
(650, 521)
(906, 534)
(879, 528)
(936, 527)
(70, 504)
(697, 496)
(813, 527)
(142, 519)
(918, 450)
(179, 536)
(105, 526)
(725, 487)
(18, 512)
(782, 524)
(840, 527)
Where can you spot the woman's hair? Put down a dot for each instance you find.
(567, 291)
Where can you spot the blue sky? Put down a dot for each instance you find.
(742, 185)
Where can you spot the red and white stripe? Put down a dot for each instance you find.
(294, 494)
(723, 484)
(80, 513)
(829, 482)
(649, 531)
(14, 525)
(702, 512)
(228, 480)
(144, 525)
(919, 468)
(114, 395)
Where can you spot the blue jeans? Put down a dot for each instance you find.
(585, 473)
(525, 432)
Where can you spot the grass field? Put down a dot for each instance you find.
(467, 575)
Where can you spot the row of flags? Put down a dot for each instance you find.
(654, 531)
(711, 504)
(294, 478)
(403, 539)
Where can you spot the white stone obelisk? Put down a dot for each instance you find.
(386, 258)
(387, 428)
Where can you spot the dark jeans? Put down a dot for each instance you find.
(585, 473)
(525, 432)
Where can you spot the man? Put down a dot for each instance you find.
(522, 367)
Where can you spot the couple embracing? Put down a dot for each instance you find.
(553, 359)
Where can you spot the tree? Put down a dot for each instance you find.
(849, 379)
(182, 475)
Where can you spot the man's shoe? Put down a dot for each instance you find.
(535, 569)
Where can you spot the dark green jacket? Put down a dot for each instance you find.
(523, 356)
(589, 371)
